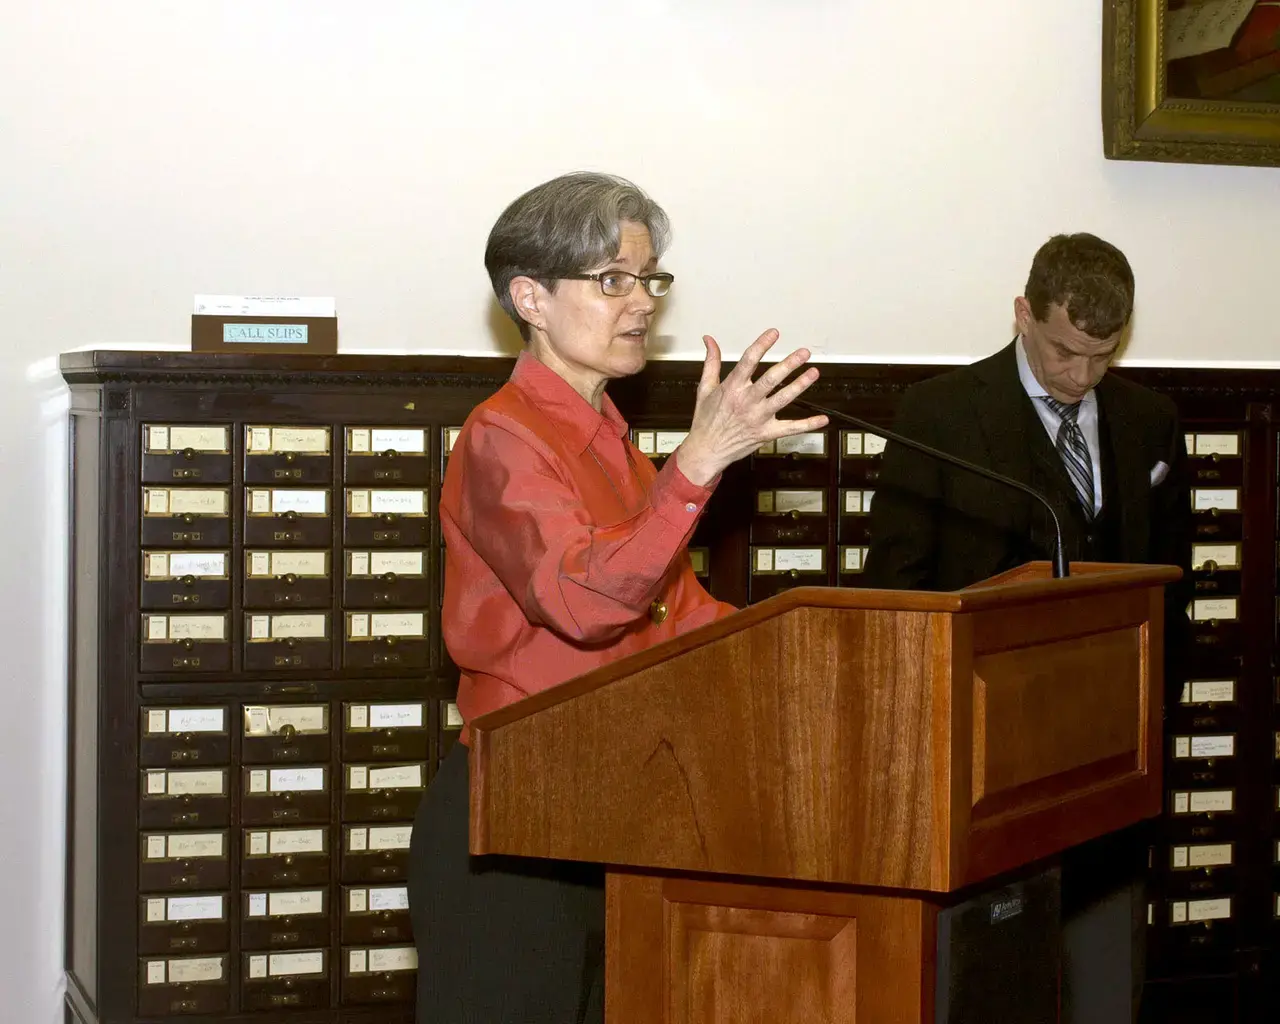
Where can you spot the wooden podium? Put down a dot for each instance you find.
(785, 798)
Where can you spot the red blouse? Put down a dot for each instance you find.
(565, 548)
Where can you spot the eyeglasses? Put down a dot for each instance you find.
(617, 283)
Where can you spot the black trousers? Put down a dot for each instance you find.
(1104, 928)
(501, 940)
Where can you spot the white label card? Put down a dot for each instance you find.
(403, 776)
(196, 783)
(1201, 445)
(286, 625)
(1204, 855)
(187, 720)
(1225, 499)
(375, 440)
(303, 440)
(1223, 556)
(451, 435)
(1204, 746)
(797, 444)
(1209, 691)
(379, 563)
(1214, 609)
(452, 716)
(193, 969)
(268, 720)
(179, 439)
(195, 908)
(284, 563)
(858, 503)
(853, 559)
(788, 559)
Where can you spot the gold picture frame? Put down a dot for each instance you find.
(1150, 113)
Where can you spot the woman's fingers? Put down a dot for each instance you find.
(786, 428)
(792, 391)
(710, 367)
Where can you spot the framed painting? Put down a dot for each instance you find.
(1192, 81)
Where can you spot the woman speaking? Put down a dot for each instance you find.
(565, 550)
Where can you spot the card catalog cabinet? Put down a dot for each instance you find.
(260, 692)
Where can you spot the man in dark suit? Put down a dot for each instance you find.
(1110, 456)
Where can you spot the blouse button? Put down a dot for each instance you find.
(658, 612)
(691, 507)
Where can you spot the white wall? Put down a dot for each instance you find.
(870, 178)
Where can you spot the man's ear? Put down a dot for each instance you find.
(1022, 314)
(527, 295)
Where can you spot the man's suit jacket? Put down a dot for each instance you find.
(938, 527)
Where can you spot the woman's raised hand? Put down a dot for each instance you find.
(735, 416)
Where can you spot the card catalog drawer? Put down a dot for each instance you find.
(176, 452)
(387, 517)
(184, 798)
(382, 792)
(379, 974)
(386, 640)
(376, 914)
(860, 456)
(183, 985)
(183, 860)
(187, 642)
(450, 727)
(790, 516)
(1214, 456)
(376, 853)
(282, 857)
(377, 579)
(287, 455)
(294, 980)
(284, 918)
(387, 456)
(186, 517)
(853, 561)
(388, 731)
(184, 736)
(448, 438)
(185, 579)
(775, 569)
(287, 517)
(285, 733)
(287, 640)
(285, 796)
(1198, 857)
(287, 579)
(190, 923)
(801, 461)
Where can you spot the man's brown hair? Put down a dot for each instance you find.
(1089, 278)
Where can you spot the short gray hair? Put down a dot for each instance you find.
(568, 225)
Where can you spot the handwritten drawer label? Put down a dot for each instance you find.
(367, 625)
(1209, 691)
(185, 846)
(782, 502)
(185, 970)
(286, 965)
(176, 782)
(857, 503)
(773, 560)
(286, 841)
(270, 720)
(286, 904)
(385, 716)
(658, 443)
(378, 838)
(300, 440)
(274, 564)
(169, 565)
(375, 440)
(857, 443)
(185, 501)
(375, 900)
(165, 440)
(287, 780)
(379, 563)
(161, 721)
(1204, 855)
(264, 501)
(401, 776)
(1215, 556)
(1224, 499)
(452, 716)
(1204, 801)
(377, 503)
(184, 908)
(382, 959)
(1204, 746)
(1214, 609)
(1201, 445)
(797, 444)
(1193, 911)
(451, 435)
(289, 625)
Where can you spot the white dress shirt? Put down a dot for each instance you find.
(1087, 418)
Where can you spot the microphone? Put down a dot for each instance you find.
(1059, 557)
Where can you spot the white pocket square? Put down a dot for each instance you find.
(1158, 472)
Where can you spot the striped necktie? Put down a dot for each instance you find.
(1074, 452)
